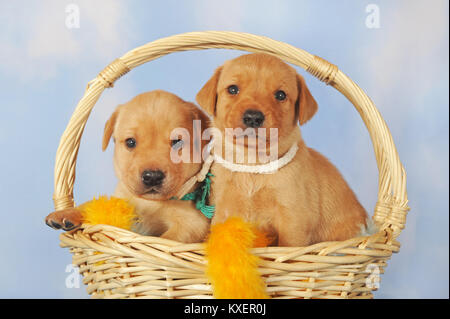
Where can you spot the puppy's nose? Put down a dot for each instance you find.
(152, 178)
(253, 118)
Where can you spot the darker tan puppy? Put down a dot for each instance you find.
(150, 167)
(304, 202)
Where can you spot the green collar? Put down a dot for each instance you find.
(200, 195)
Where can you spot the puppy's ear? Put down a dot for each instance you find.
(306, 105)
(207, 97)
(198, 143)
(109, 129)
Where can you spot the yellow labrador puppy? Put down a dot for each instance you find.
(148, 177)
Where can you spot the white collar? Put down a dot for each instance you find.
(268, 168)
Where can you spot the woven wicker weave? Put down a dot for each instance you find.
(120, 264)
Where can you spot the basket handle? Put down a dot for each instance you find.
(391, 208)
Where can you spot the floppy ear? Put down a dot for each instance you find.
(109, 128)
(306, 105)
(207, 97)
(198, 142)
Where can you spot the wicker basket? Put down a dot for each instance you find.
(121, 264)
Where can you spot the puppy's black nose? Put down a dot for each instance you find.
(253, 118)
(152, 178)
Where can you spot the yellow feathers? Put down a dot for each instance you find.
(109, 211)
(232, 269)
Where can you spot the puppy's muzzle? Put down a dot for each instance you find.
(152, 178)
(253, 118)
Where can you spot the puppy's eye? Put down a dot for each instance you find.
(130, 142)
(176, 144)
(280, 95)
(233, 89)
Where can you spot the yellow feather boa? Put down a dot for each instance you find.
(232, 269)
(109, 211)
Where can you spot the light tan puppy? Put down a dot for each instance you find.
(307, 200)
(148, 177)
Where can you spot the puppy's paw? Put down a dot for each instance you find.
(183, 236)
(66, 219)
